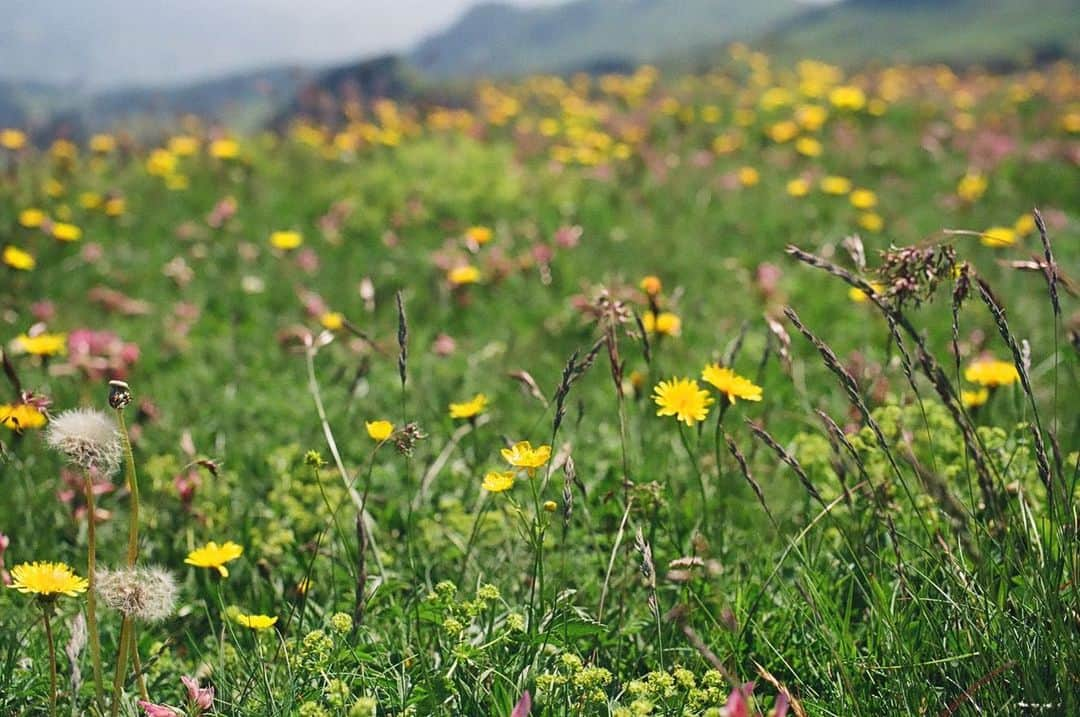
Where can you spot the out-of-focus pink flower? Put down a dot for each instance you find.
(738, 704)
(523, 706)
(542, 253)
(222, 212)
(186, 484)
(92, 252)
(5, 578)
(201, 697)
(101, 354)
(568, 237)
(307, 260)
(444, 345)
(768, 278)
(153, 710)
(43, 310)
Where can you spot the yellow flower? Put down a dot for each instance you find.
(379, 430)
(224, 149)
(332, 320)
(748, 176)
(54, 188)
(215, 556)
(971, 187)
(871, 221)
(42, 344)
(497, 482)
(998, 237)
(847, 97)
(161, 163)
(12, 139)
(523, 455)
(21, 416)
(651, 285)
(462, 275)
(783, 131)
(730, 383)
(183, 145)
(991, 373)
(859, 296)
(974, 399)
(66, 232)
(115, 207)
(682, 398)
(835, 185)
(31, 218)
(102, 143)
(808, 147)
(49, 580)
(16, 258)
(177, 182)
(1024, 225)
(255, 622)
(90, 200)
(469, 409)
(798, 188)
(665, 323)
(863, 199)
(286, 240)
(478, 235)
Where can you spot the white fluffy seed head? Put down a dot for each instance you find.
(146, 594)
(88, 438)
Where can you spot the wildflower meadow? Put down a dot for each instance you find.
(744, 391)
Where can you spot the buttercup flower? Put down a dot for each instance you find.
(47, 580)
(332, 320)
(859, 296)
(523, 455)
(835, 185)
(731, 384)
(215, 556)
(379, 430)
(682, 398)
(66, 232)
(863, 199)
(497, 482)
(991, 373)
(478, 235)
(469, 409)
(255, 622)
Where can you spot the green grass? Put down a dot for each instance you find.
(901, 600)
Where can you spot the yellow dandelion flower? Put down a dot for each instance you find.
(498, 481)
(730, 383)
(998, 237)
(974, 399)
(798, 188)
(183, 145)
(102, 143)
(224, 149)
(847, 97)
(21, 416)
(523, 455)
(665, 323)
(66, 232)
(469, 409)
(286, 240)
(215, 556)
(18, 259)
(863, 199)
(1024, 225)
(462, 275)
(115, 207)
(255, 622)
(971, 187)
(809, 147)
(332, 320)
(991, 373)
(379, 430)
(835, 185)
(12, 139)
(682, 398)
(90, 200)
(47, 580)
(479, 235)
(782, 132)
(748, 176)
(871, 222)
(42, 344)
(32, 218)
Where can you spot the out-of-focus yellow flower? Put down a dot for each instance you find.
(177, 182)
(871, 222)
(971, 187)
(479, 235)
(90, 200)
(102, 143)
(665, 323)
(835, 185)
(877, 107)
(32, 218)
(682, 398)
(115, 207)
(847, 97)
(286, 240)
(1071, 122)
(858, 296)
(42, 344)
(12, 139)
(991, 373)
(808, 147)
(1024, 225)
(811, 117)
(161, 163)
(215, 556)
(748, 176)
(66, 232)
(726, 143)
(863, 199)
(332, 320)
(18, 259)
(974, 399)
(964, 121)
(998, 237)
(651, 285)
(798, 187)
(64, 150)
(183, 145)
(462, 275)
(731, 384)
(224, 149)
(785, 131)
(379, 430)
(498, 481)
(21, 416)
(53, 187)
(469, 409)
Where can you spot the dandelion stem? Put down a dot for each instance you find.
(694, 464)
(121, 664)
(91, 595)
(133, 488)
(47, 611)
(136, 665)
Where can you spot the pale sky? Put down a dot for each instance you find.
(110, 43)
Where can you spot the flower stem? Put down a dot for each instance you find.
(121, 664)
(133, 489)
(694, 464)
(47, 610)
(136, 665)
(91, 595)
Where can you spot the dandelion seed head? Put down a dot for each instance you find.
(88, 439)
(147, 594)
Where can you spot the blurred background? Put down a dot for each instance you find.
(70, 67)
